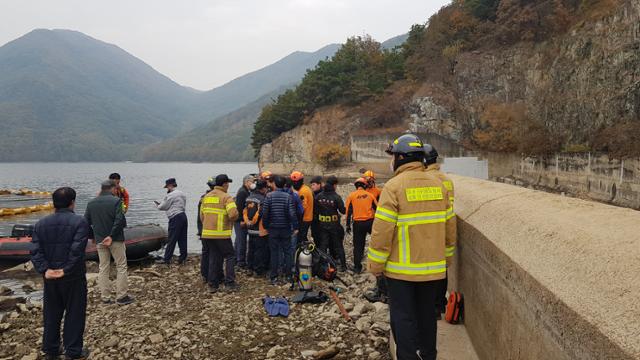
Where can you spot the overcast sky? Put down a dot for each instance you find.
(204, 44)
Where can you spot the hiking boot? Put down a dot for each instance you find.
(231, 287)
(161, 262)
(213, 289)
(84, 354)
(126, 300)
(107, 301)
(375, 296)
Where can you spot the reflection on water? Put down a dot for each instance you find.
(144, 182)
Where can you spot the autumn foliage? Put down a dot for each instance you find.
(507, 128)
(332, 155)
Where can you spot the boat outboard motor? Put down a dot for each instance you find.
(22, 230)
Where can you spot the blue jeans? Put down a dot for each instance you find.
(240, 244)
(281, 252)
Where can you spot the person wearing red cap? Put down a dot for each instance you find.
(306, 195)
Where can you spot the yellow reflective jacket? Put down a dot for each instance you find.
(218, 213)
(413, 232)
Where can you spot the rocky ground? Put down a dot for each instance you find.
(175, 317)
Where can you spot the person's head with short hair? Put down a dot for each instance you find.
(115, 177)
(331, 182)
(261, 186)
(247, 180)
(107, 186)
(64, 198)
(279, 181)
(223, 181)
(316, 183)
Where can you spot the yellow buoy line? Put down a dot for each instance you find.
(26, 209)
(23, 192)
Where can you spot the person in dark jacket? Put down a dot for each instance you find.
(58, 245)
(330, 234)
(297, 201)
(104, 214)
(240, 228)
(280, 219)
(316, 188)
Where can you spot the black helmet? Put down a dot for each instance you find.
(406, 144)
(430, 154)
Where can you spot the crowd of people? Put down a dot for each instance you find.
(411, 222)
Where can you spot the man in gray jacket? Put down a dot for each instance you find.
(174, 204)
(104, 214)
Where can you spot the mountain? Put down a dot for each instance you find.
(252, 86)
(65, 96)
(226, 138)
(395, 41)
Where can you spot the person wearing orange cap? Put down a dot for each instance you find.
(370, 177)
(361, 206)
(306, 195)
(268, 177)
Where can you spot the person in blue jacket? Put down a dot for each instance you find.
(58, 245)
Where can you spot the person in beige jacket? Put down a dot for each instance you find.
(412, 236)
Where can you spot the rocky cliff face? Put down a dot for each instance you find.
(574, 84)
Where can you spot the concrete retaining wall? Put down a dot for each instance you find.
(546, 276)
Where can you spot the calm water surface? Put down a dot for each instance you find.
(144, 181)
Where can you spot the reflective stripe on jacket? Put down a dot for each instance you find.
(218, 212)
(413, 231)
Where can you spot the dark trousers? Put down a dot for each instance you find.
(441, 297)
(220, 254)
(329, 239)
(360, 231)
(240, 244)
(303, 235)
(281, 252)
(204, 261)
(413, 320)
(258, 255)
(178, 226)
(66, 297)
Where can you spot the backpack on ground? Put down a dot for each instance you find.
(455, 308)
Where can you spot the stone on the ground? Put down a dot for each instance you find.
(112, 341)
(9, 303)
(327, 353)
(5, 291)
(156, 338)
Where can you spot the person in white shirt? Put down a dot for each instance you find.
(174, 204)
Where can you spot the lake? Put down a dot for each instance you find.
(144, 181)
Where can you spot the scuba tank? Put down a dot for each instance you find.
(305, 268)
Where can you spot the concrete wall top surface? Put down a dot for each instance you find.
(587, 254)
